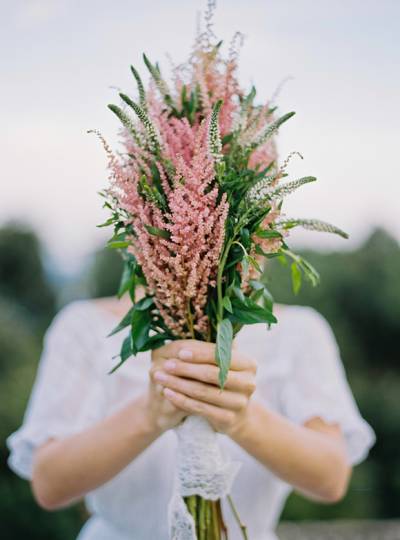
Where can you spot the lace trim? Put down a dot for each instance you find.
(203, 469)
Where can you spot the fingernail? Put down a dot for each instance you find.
(160, 376)
(170, 364)
(185, 354)
(168, 392)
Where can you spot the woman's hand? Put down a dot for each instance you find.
(161, 413)
(188, 374)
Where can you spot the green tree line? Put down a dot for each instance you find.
(359, 295)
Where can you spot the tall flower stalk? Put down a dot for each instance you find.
(196, 201)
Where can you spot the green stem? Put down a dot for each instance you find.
(243, 527)
(208, 521)
(202, 518)
(191, 504)
(221, 266)
(215, 521)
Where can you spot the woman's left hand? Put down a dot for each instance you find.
(189, 375)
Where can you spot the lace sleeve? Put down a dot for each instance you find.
(317, 386)
(65, 392)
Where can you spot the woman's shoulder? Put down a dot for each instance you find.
(299, 321)
(302, 314)
(82, 317)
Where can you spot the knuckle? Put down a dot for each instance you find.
(198, 407)
(252, 365)
(200, 391)
(208, 374)
(183, 403)
(228, 418)
(180, 368)
(242, 401)
(251, 386)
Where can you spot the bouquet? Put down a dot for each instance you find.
(196, 204)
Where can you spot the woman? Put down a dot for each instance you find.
(293, 423)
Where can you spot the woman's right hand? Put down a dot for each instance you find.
(163, 415)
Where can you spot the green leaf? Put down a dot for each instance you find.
(227, 138)
(141, 324)
(144, 303)
(155, 231)
(245, 265)
(250, 313)
(256, 295)
(296, 277)
(126, 352)
(261, 287)
(256, 285)
(226, 302)
(156, 341)
(254, 263)
(126, 321)
(268, 233)
(223, 349)
(117, 244)
(109, 221)
(127, 278)
(268, 299)
(239, 294)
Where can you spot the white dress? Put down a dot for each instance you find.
(300, 375)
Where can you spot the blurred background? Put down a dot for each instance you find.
(62, 62)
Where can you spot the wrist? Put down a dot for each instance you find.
(249, 423)
(143, 420)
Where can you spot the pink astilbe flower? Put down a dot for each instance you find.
(216, 79)
(263, 156)
(180, 269)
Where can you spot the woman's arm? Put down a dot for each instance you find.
(311, 457)
(65, 469)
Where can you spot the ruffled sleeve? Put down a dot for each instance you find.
(317, 385)
(66, 396)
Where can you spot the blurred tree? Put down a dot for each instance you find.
(27, 304)
(359, 295)
(22, 275)
(104, 273)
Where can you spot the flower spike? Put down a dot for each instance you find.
(289, 187)
(144, 118)
(156, 74)
(311, 225)
(142, 93)
(214, 139)
(126, 121)
(270, 130)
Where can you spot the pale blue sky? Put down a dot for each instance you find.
(60, 58)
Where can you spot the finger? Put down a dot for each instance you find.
(172, 348)
(192, 406)
(202, 352)
(203, 392)
(241, 381)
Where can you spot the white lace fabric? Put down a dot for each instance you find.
(300, 375)
(202, 469)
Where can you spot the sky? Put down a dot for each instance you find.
(63, 61)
